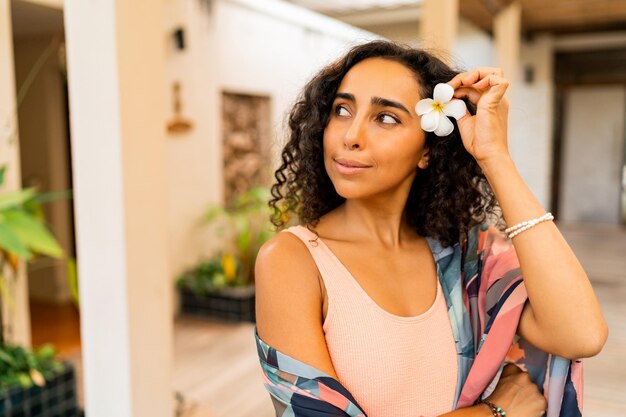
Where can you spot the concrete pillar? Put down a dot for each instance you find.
(18, 317)
(507, 26)
(116, 73)
(438, 26)
(507, 30)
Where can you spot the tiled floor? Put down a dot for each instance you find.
(56, 324)
(217, 371)
(602, 251)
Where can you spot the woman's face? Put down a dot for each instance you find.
(373, 124)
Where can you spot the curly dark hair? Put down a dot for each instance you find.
(446, 199)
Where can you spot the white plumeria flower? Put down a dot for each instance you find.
(435, 112)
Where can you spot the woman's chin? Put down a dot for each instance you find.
(353, 191)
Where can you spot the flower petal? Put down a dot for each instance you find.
(455, 108)
(430, 121)
(445, 126)
(424, 106)
(443, 92)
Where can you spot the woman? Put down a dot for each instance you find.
(359, 300)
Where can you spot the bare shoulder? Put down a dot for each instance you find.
(285, 249)
(289, 301)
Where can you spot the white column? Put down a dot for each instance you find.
(116, 76)
(507, 30)
(10, 157)
(439, 25)
(507, 26)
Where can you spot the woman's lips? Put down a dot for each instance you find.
(349, 170)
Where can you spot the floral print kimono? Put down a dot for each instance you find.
(485, 295)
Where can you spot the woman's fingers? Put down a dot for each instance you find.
(496, 86)
(469, 93)
(471, 77)
(492, 86)
(490, 80)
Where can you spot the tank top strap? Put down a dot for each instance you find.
(324, 260)
(307, 236)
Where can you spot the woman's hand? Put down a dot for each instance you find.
(484, 135)
(517, 394)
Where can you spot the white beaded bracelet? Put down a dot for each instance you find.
(520, 227)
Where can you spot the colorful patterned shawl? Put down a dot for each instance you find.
(485, 295)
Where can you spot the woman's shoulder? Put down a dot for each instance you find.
(289, 301)
(285, 261)
(283, 248)
(286, 271)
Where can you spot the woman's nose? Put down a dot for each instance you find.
(354, 137)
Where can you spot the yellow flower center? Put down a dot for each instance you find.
(438, 106)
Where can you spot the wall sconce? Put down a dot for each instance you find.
(178, 123)
(179, 38)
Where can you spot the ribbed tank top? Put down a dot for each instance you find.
(394, 366)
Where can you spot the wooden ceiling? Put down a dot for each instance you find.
(556, 16)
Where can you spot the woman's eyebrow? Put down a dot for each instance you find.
(345, 96)
(376, 101)
(379, 101)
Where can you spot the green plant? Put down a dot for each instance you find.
(23, 235)
(209, 275)
(241, 228)
(25, 367)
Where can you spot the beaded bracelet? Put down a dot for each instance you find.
(520, 227)
(497, 411)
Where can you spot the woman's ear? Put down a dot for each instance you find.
(423, 162)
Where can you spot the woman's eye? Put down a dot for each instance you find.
(387, 119)
(341, 111)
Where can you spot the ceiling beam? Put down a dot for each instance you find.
(476, 12)
(495, 6)
(376, 17)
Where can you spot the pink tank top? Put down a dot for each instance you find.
(394, 366)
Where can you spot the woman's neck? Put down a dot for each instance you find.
(380, 221)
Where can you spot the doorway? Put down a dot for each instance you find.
(589, 175)
(38, 45)
(593, 154)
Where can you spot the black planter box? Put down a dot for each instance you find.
(58, 398)
(234, 304)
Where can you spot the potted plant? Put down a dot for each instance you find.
(32, 382)
(222, 285)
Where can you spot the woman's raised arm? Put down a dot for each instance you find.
(563, 316)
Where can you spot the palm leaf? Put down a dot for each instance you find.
(72, 276)
(53, 196)
(33, 233)
(10, 241)
(16, 198)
